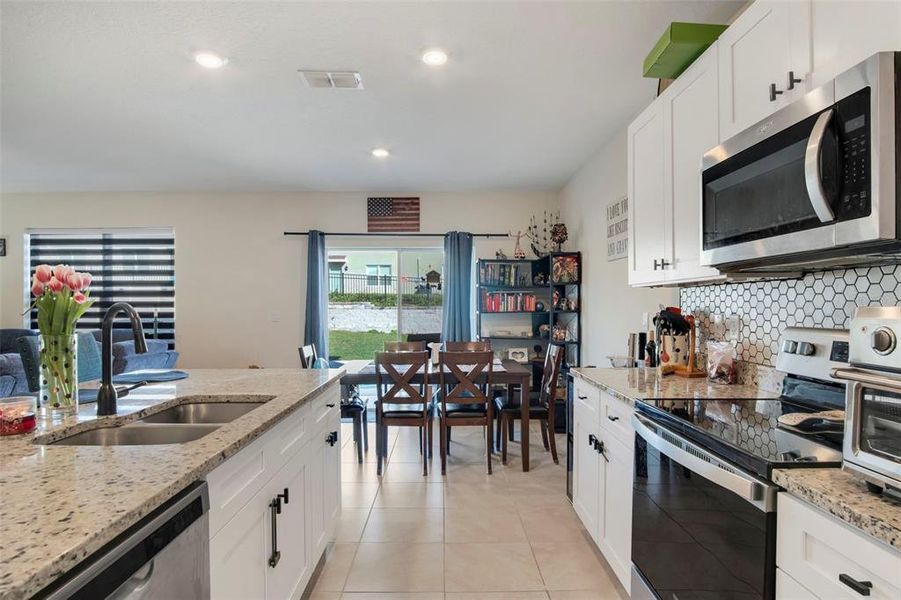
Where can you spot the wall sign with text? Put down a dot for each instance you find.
(618, 229)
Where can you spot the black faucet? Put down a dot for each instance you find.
(107, 394)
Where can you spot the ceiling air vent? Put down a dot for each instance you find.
(350, 80)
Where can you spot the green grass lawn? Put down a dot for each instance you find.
(348, 345)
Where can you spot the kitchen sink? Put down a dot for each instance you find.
(203, 412)
(148, 434)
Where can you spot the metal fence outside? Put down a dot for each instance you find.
(381, 285)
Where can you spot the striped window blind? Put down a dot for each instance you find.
(134, 265)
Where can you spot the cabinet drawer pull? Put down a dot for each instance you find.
(332, 405)
(284, 496)
(613, 418)
(592, 440)
(792, 80)
(774, 92)
(861, 587)
(332, 438)
(583, 397)
(275, 507)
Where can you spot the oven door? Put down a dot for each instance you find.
(873, 425)
(803, 179)
(701, 528)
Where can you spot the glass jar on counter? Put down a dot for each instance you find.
(17, 415)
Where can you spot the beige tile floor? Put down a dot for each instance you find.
(466, 536)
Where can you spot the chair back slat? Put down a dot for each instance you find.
(482, 346)
(552, 363)
(307, 356)
(394, 373)
(404, 346)
(461, 376)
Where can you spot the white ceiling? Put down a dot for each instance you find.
(105, 96)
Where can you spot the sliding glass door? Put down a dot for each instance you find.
(382, 294)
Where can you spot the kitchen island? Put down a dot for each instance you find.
(59, 504)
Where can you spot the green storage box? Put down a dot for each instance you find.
(678, 47)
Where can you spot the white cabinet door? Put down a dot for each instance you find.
(286, 580)
(316, 529)
(755, 52)
(616, 542)
(586, 466)
(239, 553)
(846, 32)
(647, 221)
(692, 128)
(331, 477)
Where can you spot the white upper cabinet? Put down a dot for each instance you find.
(766, 43)
(647, 218)
(845, 33)
(690, 108)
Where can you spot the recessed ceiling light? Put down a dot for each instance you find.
(434, 57)
(209, 60)
(380, 153)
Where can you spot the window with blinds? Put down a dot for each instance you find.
(135, 266)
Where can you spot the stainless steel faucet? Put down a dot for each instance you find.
(107, 394)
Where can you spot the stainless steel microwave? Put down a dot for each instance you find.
(814, 185)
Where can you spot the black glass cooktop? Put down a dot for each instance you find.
(747, 432)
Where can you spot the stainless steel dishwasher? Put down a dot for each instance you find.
(165, 555)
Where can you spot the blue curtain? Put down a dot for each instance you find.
(315, 329)
(456, 323)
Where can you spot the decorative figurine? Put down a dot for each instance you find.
(518, 252)
(539, 306)
(500, 254)
(540, 279)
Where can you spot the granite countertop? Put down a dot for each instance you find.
(59, 504)
(646, 384)
(844, 496)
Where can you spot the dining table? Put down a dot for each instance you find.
(504, 372)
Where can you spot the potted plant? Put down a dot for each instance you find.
(61, 296)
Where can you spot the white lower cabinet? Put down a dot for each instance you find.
(602, 473)
(299, 503)
(826, 558)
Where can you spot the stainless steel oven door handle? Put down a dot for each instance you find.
(812, 168)
(759, 493)
(876, 380)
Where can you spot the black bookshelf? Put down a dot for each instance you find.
(516, 279)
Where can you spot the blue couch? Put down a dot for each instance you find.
(13, 381)
(126, 360)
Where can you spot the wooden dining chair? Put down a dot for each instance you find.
(404, 346)
(481, 346)
(353, 408)
(464, 383)
(542, 408)
(401, 402)
(307, 356)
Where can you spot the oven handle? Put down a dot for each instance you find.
(812, 168)
(760, 494)
(874, 379)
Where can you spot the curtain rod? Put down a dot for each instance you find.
(380, 234)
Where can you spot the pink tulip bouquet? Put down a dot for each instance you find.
(62, 296)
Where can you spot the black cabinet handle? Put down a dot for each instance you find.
(599, 448)
(592, 440)
(332, 405)
(792, 80)
(275, 508)
(583, 397)
(284, 496)
(331, 438)
(612, 418)
(774, 92)
(861, 587)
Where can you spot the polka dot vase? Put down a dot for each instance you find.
(59, 373)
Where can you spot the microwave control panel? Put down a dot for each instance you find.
(852, 116)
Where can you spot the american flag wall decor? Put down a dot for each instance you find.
(392, 214)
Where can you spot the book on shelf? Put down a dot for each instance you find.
(510, 275)
(494, 302)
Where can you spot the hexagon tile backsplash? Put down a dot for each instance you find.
(823, 299)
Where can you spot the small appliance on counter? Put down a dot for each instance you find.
(872, 444)
(716, 458)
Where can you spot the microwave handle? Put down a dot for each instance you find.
(812, 168)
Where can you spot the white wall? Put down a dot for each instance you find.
(611, 309)
(241, 284)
